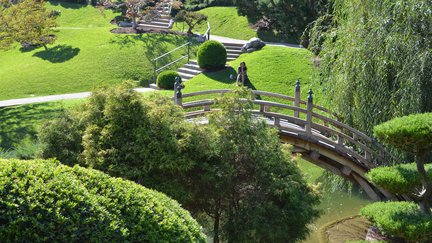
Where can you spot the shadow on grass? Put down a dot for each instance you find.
(29, 48)
(67, 4)
(58, 54)
(17, 123)
(222, 76)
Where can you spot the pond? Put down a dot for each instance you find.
(336, 202)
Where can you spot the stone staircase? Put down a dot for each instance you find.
(192, 69)
(163, 20)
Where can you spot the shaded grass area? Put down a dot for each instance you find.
(19, 123)
(85, 55)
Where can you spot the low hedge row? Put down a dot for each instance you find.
(46, 201)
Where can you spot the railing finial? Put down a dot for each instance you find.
(310, 96)
(297, 87)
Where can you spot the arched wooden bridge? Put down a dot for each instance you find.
(314, 133)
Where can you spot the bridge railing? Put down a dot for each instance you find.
(303, 118)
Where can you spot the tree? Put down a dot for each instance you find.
(412, 134)
(135, 9)
(27, 22)
(376, 62)
(287, 16)
(413, 181)
(251, 190)
(190, 18)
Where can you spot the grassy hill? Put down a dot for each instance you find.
(274, 69)
(85, 55)
(225, 21)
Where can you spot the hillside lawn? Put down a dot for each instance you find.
(274, 69)
(225, 21)
(85, 55)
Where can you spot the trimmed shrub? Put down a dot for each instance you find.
(411, 133)
(400, 219)
(166, 79)
(42, 200)
(398, 179)
(212, 55)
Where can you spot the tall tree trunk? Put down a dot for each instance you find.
(216, 222)
(134, 23)
(425, 197)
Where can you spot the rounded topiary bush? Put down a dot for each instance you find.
(46, 201)
(166, 79)
(212, 55)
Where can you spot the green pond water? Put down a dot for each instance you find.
(336, 203)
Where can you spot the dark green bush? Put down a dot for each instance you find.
(399, 179)
(166, 79)
(400, 219)
(44, 201)
(411, 133)
(212, 55)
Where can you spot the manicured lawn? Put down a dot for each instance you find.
(225, 21)
(86, 55)
(273, 69)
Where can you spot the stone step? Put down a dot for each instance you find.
(163, 24)
(234, 45)
(234, 55)
(231, 59)
(193, 67)
(189, 70)
(237, 51)
(152, 26)
(194, 62)
(185, 75)
(162, 20)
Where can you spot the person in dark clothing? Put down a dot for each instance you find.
(242, 76)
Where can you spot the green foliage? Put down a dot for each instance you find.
(411, 133)
(61, 203)
(166, 79)
(120, 132)
(376, 60)
(287, 16)
(400, 219)
(212, 55)
(244, 181)
(398, 179)
(27, 22)
(191, 19)
(61, 138)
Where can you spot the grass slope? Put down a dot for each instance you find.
(85, 55)
(225, 21)
(274, 69)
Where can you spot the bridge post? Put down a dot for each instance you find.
(309, 108)
(297, 98)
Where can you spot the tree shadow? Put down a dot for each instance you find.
(67, 4)
(28, 48)
(154, 45)
(19, 122)
(222, 76)
(58, 54)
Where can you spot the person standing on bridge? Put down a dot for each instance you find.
(242, 74)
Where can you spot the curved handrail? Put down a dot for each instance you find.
(357, 144)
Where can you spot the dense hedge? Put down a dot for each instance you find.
(398, 179)
(166, 79)
(212, 55)
(411, 133)
(400, 219)
(46, 201)
(195, 5)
